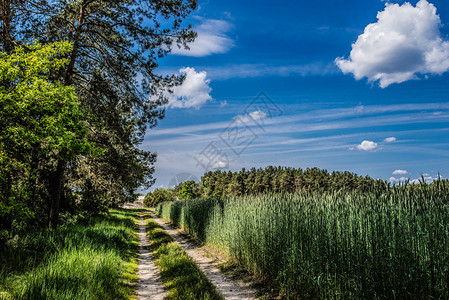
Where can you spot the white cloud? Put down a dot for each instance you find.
(261, 70)
(367, 146)
(193, 92)
(257, 115)
(405, 41)
(400, 172)
(326, 119)
(390, 139)
(211, 39)
(398, 180)
(220, 164)
(427, 179)
(252, 117)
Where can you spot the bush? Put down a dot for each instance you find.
(158, 196)
(188, 190)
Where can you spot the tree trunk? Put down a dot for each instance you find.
(6, 28)
(79, 29)
(57, 183)
(59, 178)
(6, 33)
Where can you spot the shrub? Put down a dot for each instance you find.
(158, 196)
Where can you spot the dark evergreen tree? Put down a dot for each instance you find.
(283, 180)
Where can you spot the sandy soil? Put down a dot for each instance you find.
(230, 288)
(150, 285)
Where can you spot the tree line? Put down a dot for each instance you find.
(283, 180)
(75, 83)
(223, 184)
(256, 181)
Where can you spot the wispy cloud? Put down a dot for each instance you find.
(212, 38)
(404, 41)
(390, 139)
(327, 119)
(261, 70)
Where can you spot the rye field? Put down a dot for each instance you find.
(383, 244)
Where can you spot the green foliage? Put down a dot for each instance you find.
(192, 215)
(91, 258)
(158, 196)
(188, 190)
(179, 273)
(114, 43)
(40, 121)
(35, 111)
(385, 244)
(282, 180)
(47, 163)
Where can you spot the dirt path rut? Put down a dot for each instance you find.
(150, 285)
(231, 289)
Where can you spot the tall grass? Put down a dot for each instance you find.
(385, 245)
(93, 258)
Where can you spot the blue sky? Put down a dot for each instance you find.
(341, 85)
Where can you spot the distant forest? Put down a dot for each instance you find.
(222, 184)
(283, 180)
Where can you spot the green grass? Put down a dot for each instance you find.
(179, 273)
(345, 245)
(93, 258)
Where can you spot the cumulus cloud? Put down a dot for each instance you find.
(404, 41)
(211, 39)
(415, 181)
(427, 179)
(400, 172)
(390, 139)
(367, 146)
(398, 180)
(193, 92)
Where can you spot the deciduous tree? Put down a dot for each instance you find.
(40, 123)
